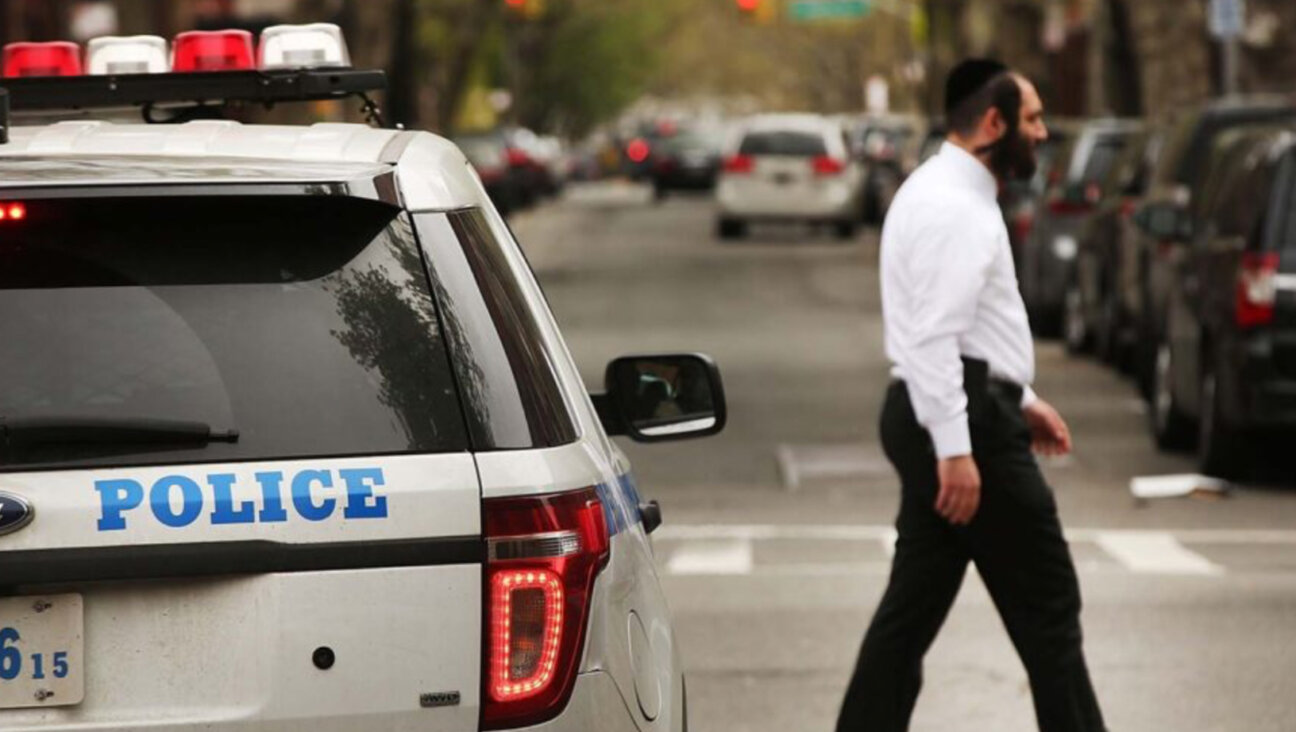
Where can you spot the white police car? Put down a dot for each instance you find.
(289, 439)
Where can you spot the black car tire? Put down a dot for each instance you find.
(845, 230)
(731, 228)
(1222, 449)
(1107, 335)
(1075, 331)
(1171, 428)
(659, 193)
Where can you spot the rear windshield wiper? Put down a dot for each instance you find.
(21, 432)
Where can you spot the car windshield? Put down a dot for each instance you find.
(794, 144)
(303, 323)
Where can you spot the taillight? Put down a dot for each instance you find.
(827, 165)
(739, 164)
(1022, 224)
(56, 58)
(517, 157)
(1256, 289)
(638, 150)
(227, 50)
(543, 555)
(12, 212)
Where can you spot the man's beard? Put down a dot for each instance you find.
(1012, 157)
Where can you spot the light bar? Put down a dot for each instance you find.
(55, 58)
(302, 46)
(12, 211)
(127, 55)
(227, 50)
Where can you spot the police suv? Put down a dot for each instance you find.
(289, 439)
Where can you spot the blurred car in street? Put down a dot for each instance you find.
(789, 168)
(889, 147)
(1177, 181)
(536, 161)
(1071, 196)
(1099, 315)
(932, 139)
(1226, 371)
(489, 157)
(1020, 200)
(687, 161)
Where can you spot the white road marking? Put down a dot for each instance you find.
(798, 463)
(726, 557)
(1155, 552)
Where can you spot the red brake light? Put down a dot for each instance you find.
(517, 157)
(827, 165)
(227, 50)
(12, 212)
(739, 164)
(544, 553)
(1256, 289)
(56, 58)
(638, 150)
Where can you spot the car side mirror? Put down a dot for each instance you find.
(1164, 221)
(662, 397)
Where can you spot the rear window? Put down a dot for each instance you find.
(796, 144)
(1101, 157)
(305, 323)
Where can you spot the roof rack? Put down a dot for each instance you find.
(195, 91)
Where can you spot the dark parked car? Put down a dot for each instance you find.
(687, 161)
(1096, 315)
(889, 148)
(489, 157)
(1177, 182)
(1226, 367)
(1070, 197)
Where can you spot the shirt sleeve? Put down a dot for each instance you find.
(1029, 396)
(947, 271)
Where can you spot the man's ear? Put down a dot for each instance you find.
(993, 123)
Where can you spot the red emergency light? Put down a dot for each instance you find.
(227, 50)
(55, 58)
(12, 212)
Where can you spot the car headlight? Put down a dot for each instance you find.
(1065, 247)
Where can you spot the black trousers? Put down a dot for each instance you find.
(1017, 544)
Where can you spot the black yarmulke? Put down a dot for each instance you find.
(968, 78)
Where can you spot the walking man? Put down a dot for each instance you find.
(960, 421)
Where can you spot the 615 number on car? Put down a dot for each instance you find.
(11, 659)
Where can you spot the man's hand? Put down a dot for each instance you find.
(1049, 434)
(960, 489)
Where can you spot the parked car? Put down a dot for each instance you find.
(688, 161)
(789, 167)
(1097, 314)
(1020, 200)
(889, 148)
(1070, 197)
(1226, 367)
(1176, 182)
(503, 182)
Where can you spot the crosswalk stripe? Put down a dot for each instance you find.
(733, 557)
(1155, 552)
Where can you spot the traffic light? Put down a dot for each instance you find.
(758, 11)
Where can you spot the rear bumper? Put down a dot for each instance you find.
(837, 202)
(1258, 382)
(596, 706)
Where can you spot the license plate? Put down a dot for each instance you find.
(783, 179)
(41, 651)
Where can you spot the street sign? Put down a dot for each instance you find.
(1227, 18)
(810, 10)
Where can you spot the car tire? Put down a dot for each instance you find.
(1171, 428)
(731, 228)
(659, 193)
(1107, 335)
(845, 230)
(1075, 331)
(1222, 449)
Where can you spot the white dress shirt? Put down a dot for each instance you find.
(949, 290)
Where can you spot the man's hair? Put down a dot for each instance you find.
(974, 87)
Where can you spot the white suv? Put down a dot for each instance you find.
(289, 440)
(789, 167)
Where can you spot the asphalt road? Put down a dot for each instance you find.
(775, 547)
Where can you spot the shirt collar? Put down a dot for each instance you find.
(971, 171)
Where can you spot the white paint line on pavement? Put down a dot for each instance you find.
(889, 541)
(883, 533)
(1155, 552)
(733, 557)
(798, 463)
